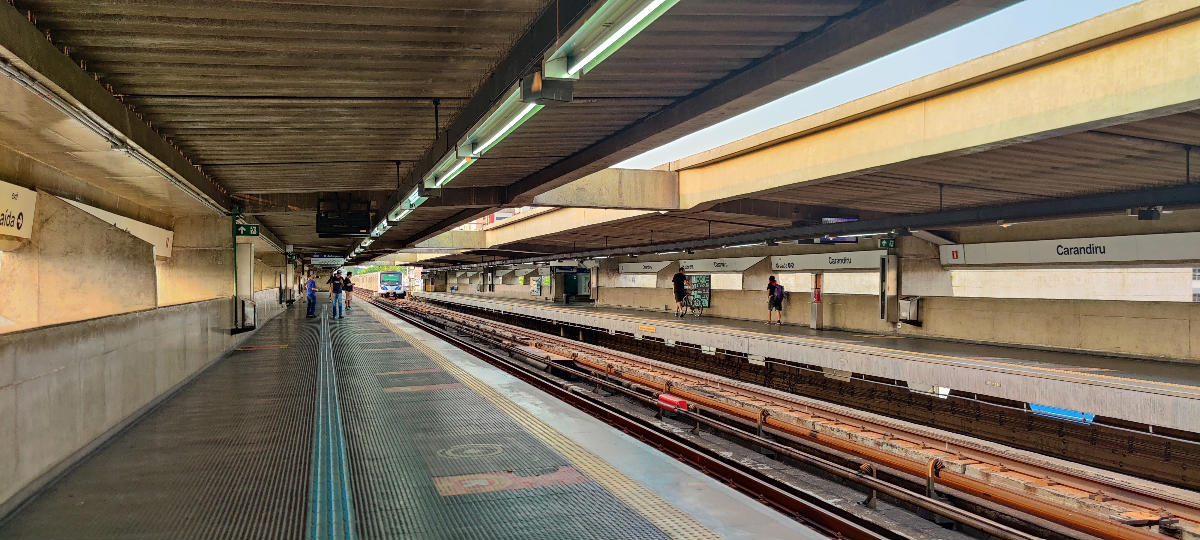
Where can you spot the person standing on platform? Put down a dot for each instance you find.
(335, 293)
(348, 287)
(311, 287)
(774, 301)
(679, 282)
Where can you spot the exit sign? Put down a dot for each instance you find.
(245, 230)
(887, 243)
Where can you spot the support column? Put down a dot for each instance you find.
(244, 285)
(816, 316)
(889, 288)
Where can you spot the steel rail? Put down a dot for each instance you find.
(811, 511)
(1075, 519)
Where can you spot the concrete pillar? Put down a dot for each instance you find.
(245, 270)
(889, 288)
(816, 317)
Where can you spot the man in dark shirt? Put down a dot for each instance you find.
(680, 282)
(335, 291)
(348, 287)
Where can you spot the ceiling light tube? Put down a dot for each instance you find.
(458, 168)
(642, 18)
(525, 113)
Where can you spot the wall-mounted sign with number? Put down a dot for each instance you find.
(16, 210)
(240, 229)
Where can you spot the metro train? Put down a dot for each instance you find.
(389, 283)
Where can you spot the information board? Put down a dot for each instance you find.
(701, 289)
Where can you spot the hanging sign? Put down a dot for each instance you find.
(735, 264)
(1134, 248)
(649, 267)
(328, 260)
(16, 210)
(842, 260)
(241, 229)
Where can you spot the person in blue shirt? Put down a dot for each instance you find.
(311, 287)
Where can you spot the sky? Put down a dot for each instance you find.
(1005, 28)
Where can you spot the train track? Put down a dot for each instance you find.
(815, 512)
(1072, 502)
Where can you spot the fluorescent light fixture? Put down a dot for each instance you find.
(609, 28)
(366, 242)
(613, 37)
(517, 120)
(745, 245)
(458, 168)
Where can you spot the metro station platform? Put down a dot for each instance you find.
(367, 427)
(1159, 393)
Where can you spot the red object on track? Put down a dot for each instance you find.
(670, 403)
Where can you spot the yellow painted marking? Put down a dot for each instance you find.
(895, 352)
(674, 522)
(645, 328)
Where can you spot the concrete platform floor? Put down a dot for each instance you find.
(438, 445)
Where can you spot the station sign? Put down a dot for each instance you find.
(327, 260)
(16, 210)
(158, 237)
(242, 229)
(733, 264)
(1104, 249)
(648, 267)
(841, 260)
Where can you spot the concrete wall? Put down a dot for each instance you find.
(75, 266)
(62, 387)
(201, 262)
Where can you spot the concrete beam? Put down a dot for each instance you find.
(456, 240)
(469, 197)
(879, 29)
(616, 188)
(1069, 81)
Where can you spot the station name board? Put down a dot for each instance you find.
(842, 260)
(1133, 248)
(648, 267)
(733, 264)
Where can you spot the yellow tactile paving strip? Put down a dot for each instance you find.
(669, 519)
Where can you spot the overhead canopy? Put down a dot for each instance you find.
(280, 104)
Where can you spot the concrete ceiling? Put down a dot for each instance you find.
(279, 101)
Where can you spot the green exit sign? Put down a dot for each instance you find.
(887, 243)
(245, 230)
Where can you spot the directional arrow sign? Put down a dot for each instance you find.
(245, 230)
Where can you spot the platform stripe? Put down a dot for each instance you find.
(331, 511)
(662, 514)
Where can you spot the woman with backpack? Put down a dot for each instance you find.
(774, 301)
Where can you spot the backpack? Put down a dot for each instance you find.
(778, 291)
